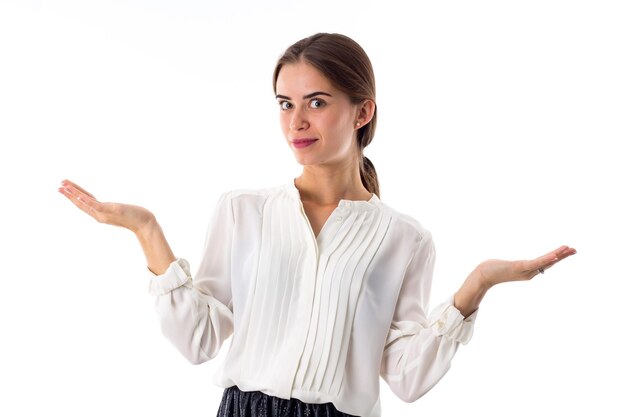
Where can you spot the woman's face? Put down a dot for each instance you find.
(312, 109)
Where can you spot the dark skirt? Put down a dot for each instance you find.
(237, 403)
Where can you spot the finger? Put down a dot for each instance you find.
(76, 186)
(548, 260)
(541, 262)
(560, 250)
(567, 251)
(565, 254)
(74, 196)
(534, 265)
(76, 193)
(84, 202)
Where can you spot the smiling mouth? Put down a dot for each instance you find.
(301, 143)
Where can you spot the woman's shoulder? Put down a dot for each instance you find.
(407, 223)
(245, 199)
(256, 193)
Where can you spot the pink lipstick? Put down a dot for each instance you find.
(303, 143)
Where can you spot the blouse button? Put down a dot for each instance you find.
(339, 218)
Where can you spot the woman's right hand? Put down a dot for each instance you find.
(133, 218)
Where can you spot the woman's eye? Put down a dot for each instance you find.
(285, 105)
(317, 103)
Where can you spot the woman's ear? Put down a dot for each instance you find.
(365, 112)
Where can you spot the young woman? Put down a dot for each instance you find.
(322, 286)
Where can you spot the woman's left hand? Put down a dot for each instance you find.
(495, 271)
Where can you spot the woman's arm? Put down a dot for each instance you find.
(420, 345)
(195, 313)
(158, 253)
(495, 271)
(137, 219)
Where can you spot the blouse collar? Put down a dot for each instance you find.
(365, 205)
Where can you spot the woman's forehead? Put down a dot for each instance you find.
(301, 77)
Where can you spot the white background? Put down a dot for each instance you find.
(499, 129)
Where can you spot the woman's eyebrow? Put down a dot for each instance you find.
(317, 93)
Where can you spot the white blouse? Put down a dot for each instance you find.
(318, 319)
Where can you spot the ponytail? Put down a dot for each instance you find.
(369, 177)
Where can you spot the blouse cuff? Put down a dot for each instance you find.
(177, 274)
(447, 320)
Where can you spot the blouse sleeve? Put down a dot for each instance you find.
(419, 349)
(196, 313)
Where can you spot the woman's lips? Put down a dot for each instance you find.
(303, 143)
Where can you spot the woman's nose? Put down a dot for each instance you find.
(298, 121)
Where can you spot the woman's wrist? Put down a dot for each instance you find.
(468, 297)
(155, 247)
(147, 229)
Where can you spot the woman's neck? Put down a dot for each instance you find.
(326, 186)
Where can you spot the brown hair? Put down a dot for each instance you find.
(348, 68)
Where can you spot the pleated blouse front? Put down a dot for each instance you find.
(314, 318)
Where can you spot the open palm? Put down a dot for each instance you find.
(496, 271)
(117, 214)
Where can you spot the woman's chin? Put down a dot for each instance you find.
(304, 160)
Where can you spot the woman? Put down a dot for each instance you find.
(323, 287)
